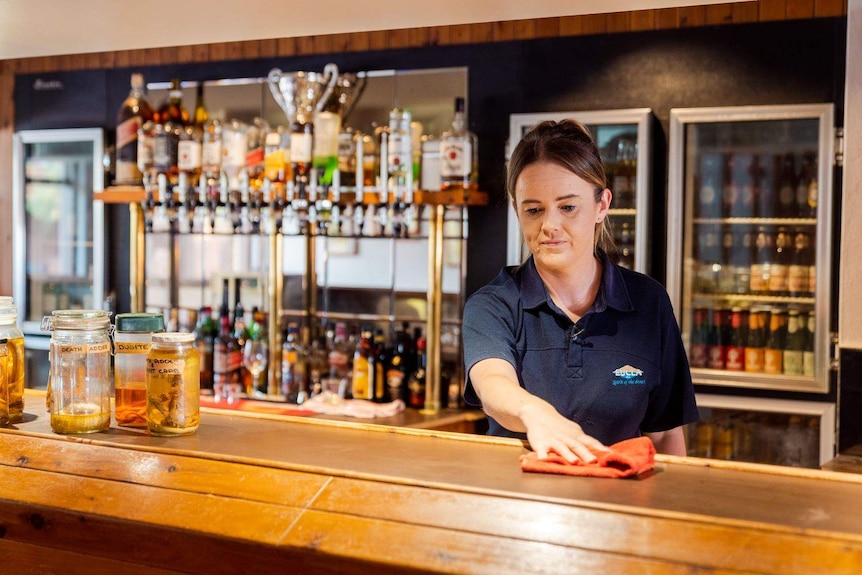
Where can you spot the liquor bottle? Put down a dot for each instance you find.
(787, 189)
(254, 156)
(294, 368)
(798, 272)
(780, 268)
(211, 150)
(227, 355)
(761, 268)
(190, 154)
(756, 343)
(339, 356)
(736, 348)
(204, 337)
(166, 139)
(134, 112)
(740, 257)
(416, 382)
(327, 127)
(459, 157)
(145, 153)
(710, 186)
(794, 345)
(301, 139)
(808, 348)
(276, 156)
(364, 367)
(765, 185)
(201, 115)
(716, 343)
(699, 334)
(399, 369)
(381, 360)
(773, 355)
(241, 335)
(399, 154)
(172, 109)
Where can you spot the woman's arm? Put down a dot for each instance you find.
(671, 442)
(496, 384)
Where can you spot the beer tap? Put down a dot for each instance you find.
(191, 203)
(179, 211)
(241, 205)
(202, 206)
(149, 204)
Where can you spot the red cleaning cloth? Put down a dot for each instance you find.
(625, 459)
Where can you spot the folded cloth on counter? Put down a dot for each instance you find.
(328, 403)
(625, 459)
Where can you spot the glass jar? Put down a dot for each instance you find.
(79, 384)
(14, 358)
(133, 337)
(173, 385)
(4, 388)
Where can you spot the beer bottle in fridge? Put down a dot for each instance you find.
(710, 186)
(736, 348)
(756, 344)
(798, 272)
(773, 355)
(795, 344)
(699, 335)
(743, 172)
(761, 268)
(778, 274)
(715, 343)
(765, 182)
(808, 349)
(787, 189)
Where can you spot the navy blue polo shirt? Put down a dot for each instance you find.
(619, 371)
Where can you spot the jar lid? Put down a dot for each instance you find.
(173, 337)
(140, 322)
(77, 319)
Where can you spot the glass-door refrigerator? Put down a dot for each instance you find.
(58, 231)
(623, 137)
(749, 272)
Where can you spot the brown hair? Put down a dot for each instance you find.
(568, 144)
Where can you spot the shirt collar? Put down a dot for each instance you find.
(612, 291)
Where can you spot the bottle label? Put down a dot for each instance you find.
(773, 361)
(211, 154)
(456, 157)
(808, 363)
(188, 155)
(84, 348)
(792, 362)
(759, 281)
(778, 278)
(127, 136)
(797, 279)
(254, 158)
(300, 148)
(165, 367)
(133, 347)
(735, 358)
(717, 356)
(754, 359)
(697, 357)
(145, 150)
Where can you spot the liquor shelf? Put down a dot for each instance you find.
(278, 493)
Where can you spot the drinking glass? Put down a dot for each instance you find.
(255, 356)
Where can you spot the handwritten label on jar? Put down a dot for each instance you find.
(133, 347)
(165, 366)
(91, 348)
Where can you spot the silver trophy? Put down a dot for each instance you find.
(302, 94)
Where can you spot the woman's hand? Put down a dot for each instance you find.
(548, 431)
(496, 384)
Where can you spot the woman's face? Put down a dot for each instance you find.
(558, 214)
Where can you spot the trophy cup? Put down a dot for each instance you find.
(302, 94)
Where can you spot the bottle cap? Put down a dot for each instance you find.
(173, 337)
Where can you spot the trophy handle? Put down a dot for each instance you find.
(330, 71)
(273, 80)
(361, 82)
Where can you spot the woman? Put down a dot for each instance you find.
(568, 348)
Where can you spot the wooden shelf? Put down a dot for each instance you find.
(120, 195)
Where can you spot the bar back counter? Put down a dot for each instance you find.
(254, 493)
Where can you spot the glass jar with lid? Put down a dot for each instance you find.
(79, 384)
(173, 385)
(133, 337)
(14, 358)
(4, 388)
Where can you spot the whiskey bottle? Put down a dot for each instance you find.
(201, 115)
(134, 112)
(459, 154)
(172, 109)
(416, 383)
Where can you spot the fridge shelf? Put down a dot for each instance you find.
(751, 298)
(753, 379)
(632, 212)
(758, 221)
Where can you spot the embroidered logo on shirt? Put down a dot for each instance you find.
(628, 375)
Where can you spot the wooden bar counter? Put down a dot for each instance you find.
(253, 493)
